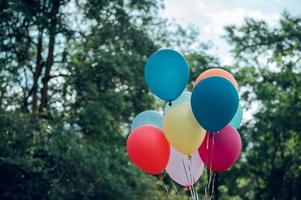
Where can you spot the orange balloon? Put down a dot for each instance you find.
(216, 72)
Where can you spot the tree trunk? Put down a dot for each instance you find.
(49, 61)
(37, 73)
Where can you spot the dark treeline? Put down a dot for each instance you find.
(71, 80)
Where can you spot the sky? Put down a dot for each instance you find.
(210, 16)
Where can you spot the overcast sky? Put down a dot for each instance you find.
(210, 16)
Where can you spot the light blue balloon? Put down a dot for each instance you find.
(166, 74)
(184, 97)
(149, 117)
(235, 122)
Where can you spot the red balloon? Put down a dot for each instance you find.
(221, 150)
(148, 149)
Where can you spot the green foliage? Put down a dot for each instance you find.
(71, 80)
(64, 166)
(268, 70)
(67, 94)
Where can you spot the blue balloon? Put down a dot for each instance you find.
(149, 117)
(214, 102)
(184, 97)
(166, 74)
(235, 122)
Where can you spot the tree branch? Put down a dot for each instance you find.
(49, 61)
(37, 73)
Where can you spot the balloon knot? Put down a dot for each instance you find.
(169, 103)
(189, 157)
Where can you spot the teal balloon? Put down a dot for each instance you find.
(149, 117)
(184, 97)
(166, 74)
(214, 102)
(235, 122)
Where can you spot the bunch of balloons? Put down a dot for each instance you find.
(198, 128)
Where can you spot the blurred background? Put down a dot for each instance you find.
(71, 81)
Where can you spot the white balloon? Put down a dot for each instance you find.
(182, 170)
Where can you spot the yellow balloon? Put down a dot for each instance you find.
(182, 130)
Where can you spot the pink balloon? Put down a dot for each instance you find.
(176, 170)
(220, 151)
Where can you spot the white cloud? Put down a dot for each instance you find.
(212, 16)
(217, 20)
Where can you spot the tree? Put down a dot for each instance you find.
(62, 113)
(268, 71)
(71, 79)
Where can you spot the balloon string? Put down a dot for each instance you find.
(211, 173)
(211, 154)
(207, 178)
(166, 189)
(193, 180)
(187, 179)
(164, 186)
(207, 147)
(176, 189)
(189, 186)
(190, 173)
(210, 177)
(212, 186)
